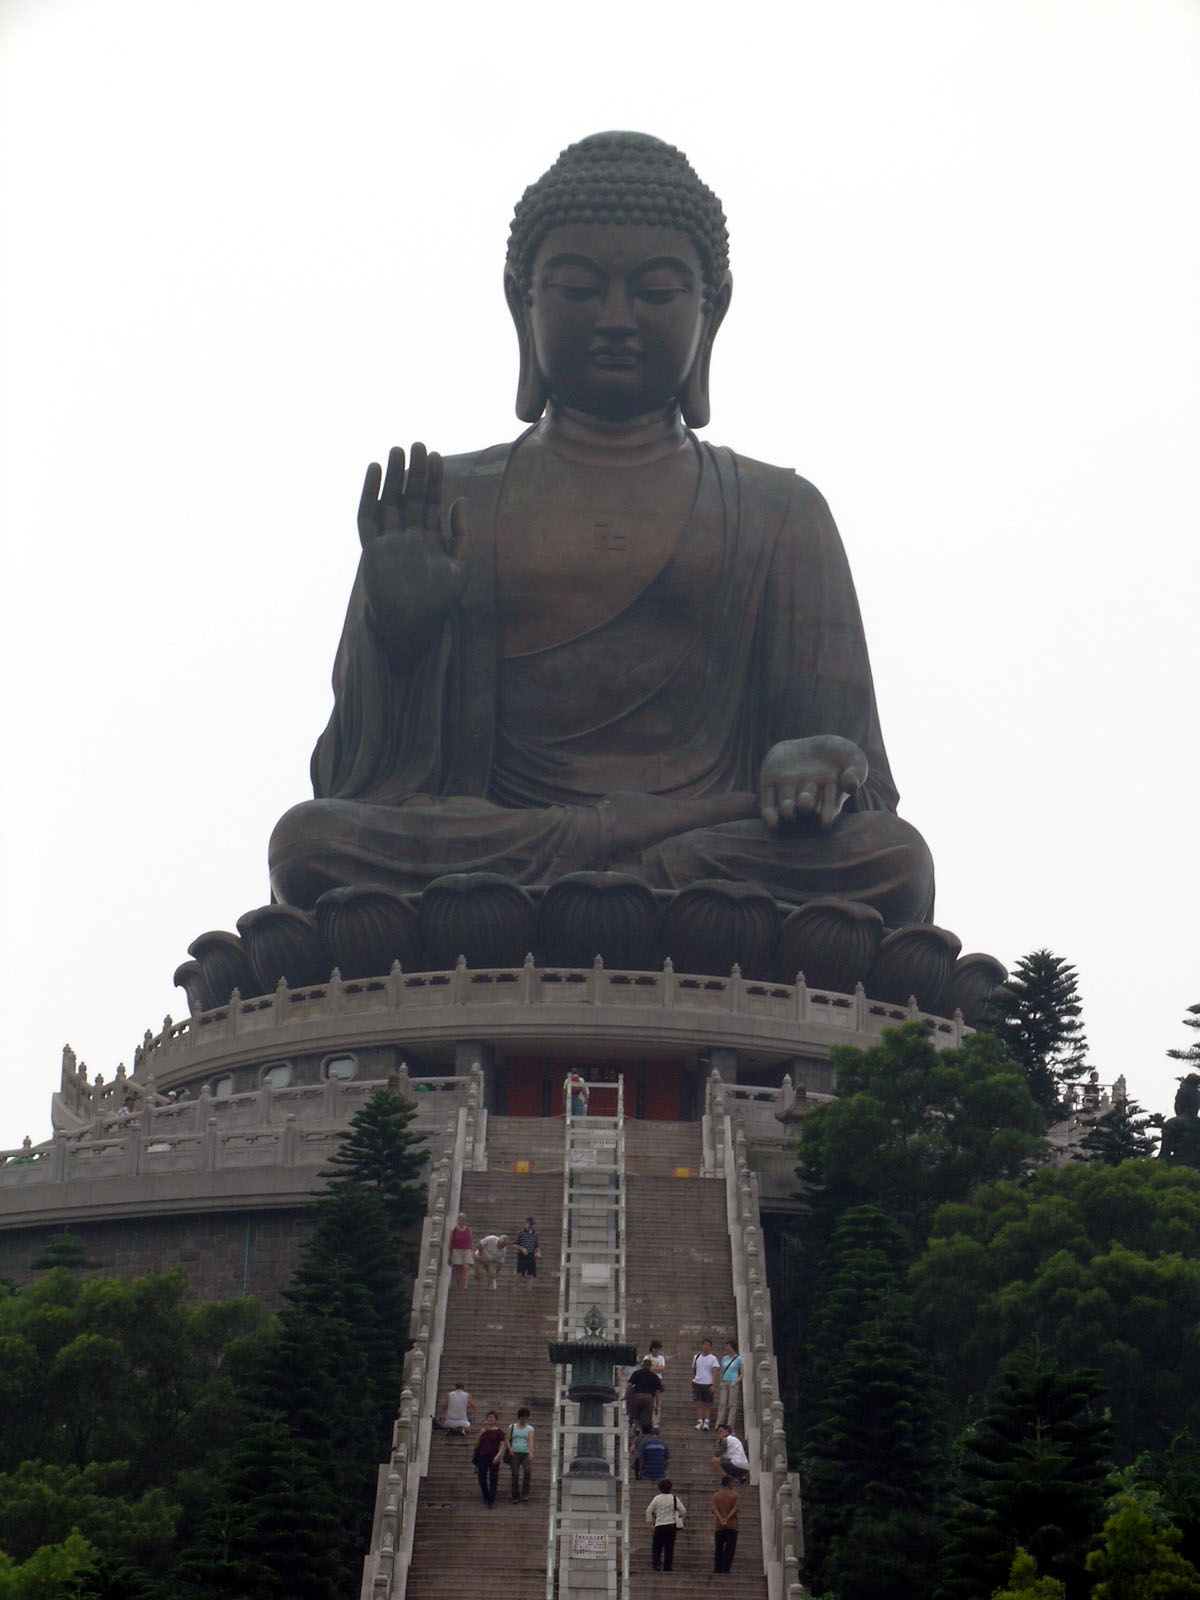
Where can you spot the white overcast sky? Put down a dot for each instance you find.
(249, 244)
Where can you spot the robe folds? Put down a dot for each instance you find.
(635, 746)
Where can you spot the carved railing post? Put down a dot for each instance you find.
(210, 1148)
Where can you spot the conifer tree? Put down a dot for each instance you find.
(1192, 1052)
(380, 1151)
(1034, 1473)
(325, 1389)
(1120, 1134)
(872, 1448)
(1036, 1015)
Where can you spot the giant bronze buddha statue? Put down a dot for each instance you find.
(608, 645)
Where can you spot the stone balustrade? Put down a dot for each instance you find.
(433, 1008)
(766, 1440)
(385, 1566)
(298, 1126)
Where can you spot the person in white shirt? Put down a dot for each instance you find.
(489, 1257)
(658, 1363)
(665, 1515)
(706, 1369)
(459, 1407)
(731, 1456)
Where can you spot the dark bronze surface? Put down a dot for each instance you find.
(609, 646)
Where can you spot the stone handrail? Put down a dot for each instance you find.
(298, 1126)
(386, 1564)
(766, 1441)
(530, 986)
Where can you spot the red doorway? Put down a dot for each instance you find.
(532, 1086)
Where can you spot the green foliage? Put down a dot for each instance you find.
(1033, 1474)
(64, 1571)
(1036, 1017)
(1136, 1560)
(913, 1127)
(1024, 1583)
(275, 1532)
(1191, 1053)
(291, 1514)
(63, 1249)
(872, 1451)
(1101, 1264)
(1120, 1135)
(380, 1151)
(40, 1504)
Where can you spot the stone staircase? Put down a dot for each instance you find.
(680, 1290)
(679, 1287)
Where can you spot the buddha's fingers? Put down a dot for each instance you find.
(460, 532)
(431, 512)
(368, 505)
(769, 809)
(794, 802)
(393, 483)
(414, 489)
(832, 795)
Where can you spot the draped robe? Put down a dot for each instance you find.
(636, 745)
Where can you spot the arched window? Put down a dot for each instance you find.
(343, 1068)
(221, 1088)
(277, 1076)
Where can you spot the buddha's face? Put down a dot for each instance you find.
(616, 316)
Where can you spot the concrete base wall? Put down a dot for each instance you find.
(225, 1255)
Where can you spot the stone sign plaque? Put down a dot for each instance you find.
(589, 1544)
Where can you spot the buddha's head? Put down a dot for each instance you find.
(617, 278)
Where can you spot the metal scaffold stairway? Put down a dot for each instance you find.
(588, 1545)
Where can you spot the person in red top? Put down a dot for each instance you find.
(489, 1447)
(461, 1254)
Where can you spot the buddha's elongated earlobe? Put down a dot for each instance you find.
(694, 401)
(532, 393)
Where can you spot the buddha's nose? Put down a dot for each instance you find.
(615, 314)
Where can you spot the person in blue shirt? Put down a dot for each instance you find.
(652, 1455)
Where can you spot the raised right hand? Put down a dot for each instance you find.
(412, 564)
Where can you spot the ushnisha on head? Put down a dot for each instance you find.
(609, 186)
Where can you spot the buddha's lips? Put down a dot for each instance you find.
(615, 358)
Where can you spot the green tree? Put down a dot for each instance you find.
(1036, 1015)
(275, 1532)
(873, 1467)
(1120, 1134)
(1137, 1560)
(1191, 1053)
(1100, 1264)
(913, 1127)
(380, 1150)
(304, 1472)
(1024, 1583)
(1034, 1471)
(64, 1571)
(63, 1249)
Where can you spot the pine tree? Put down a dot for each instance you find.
(1035, 1014)
(63, 1249)
(1034, 1473)
(1135, 1560)
(322, 1396)
(380, 1151)
(1192, 1053)
(872, 1450)
(275, 1532)
(1119, 1135)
